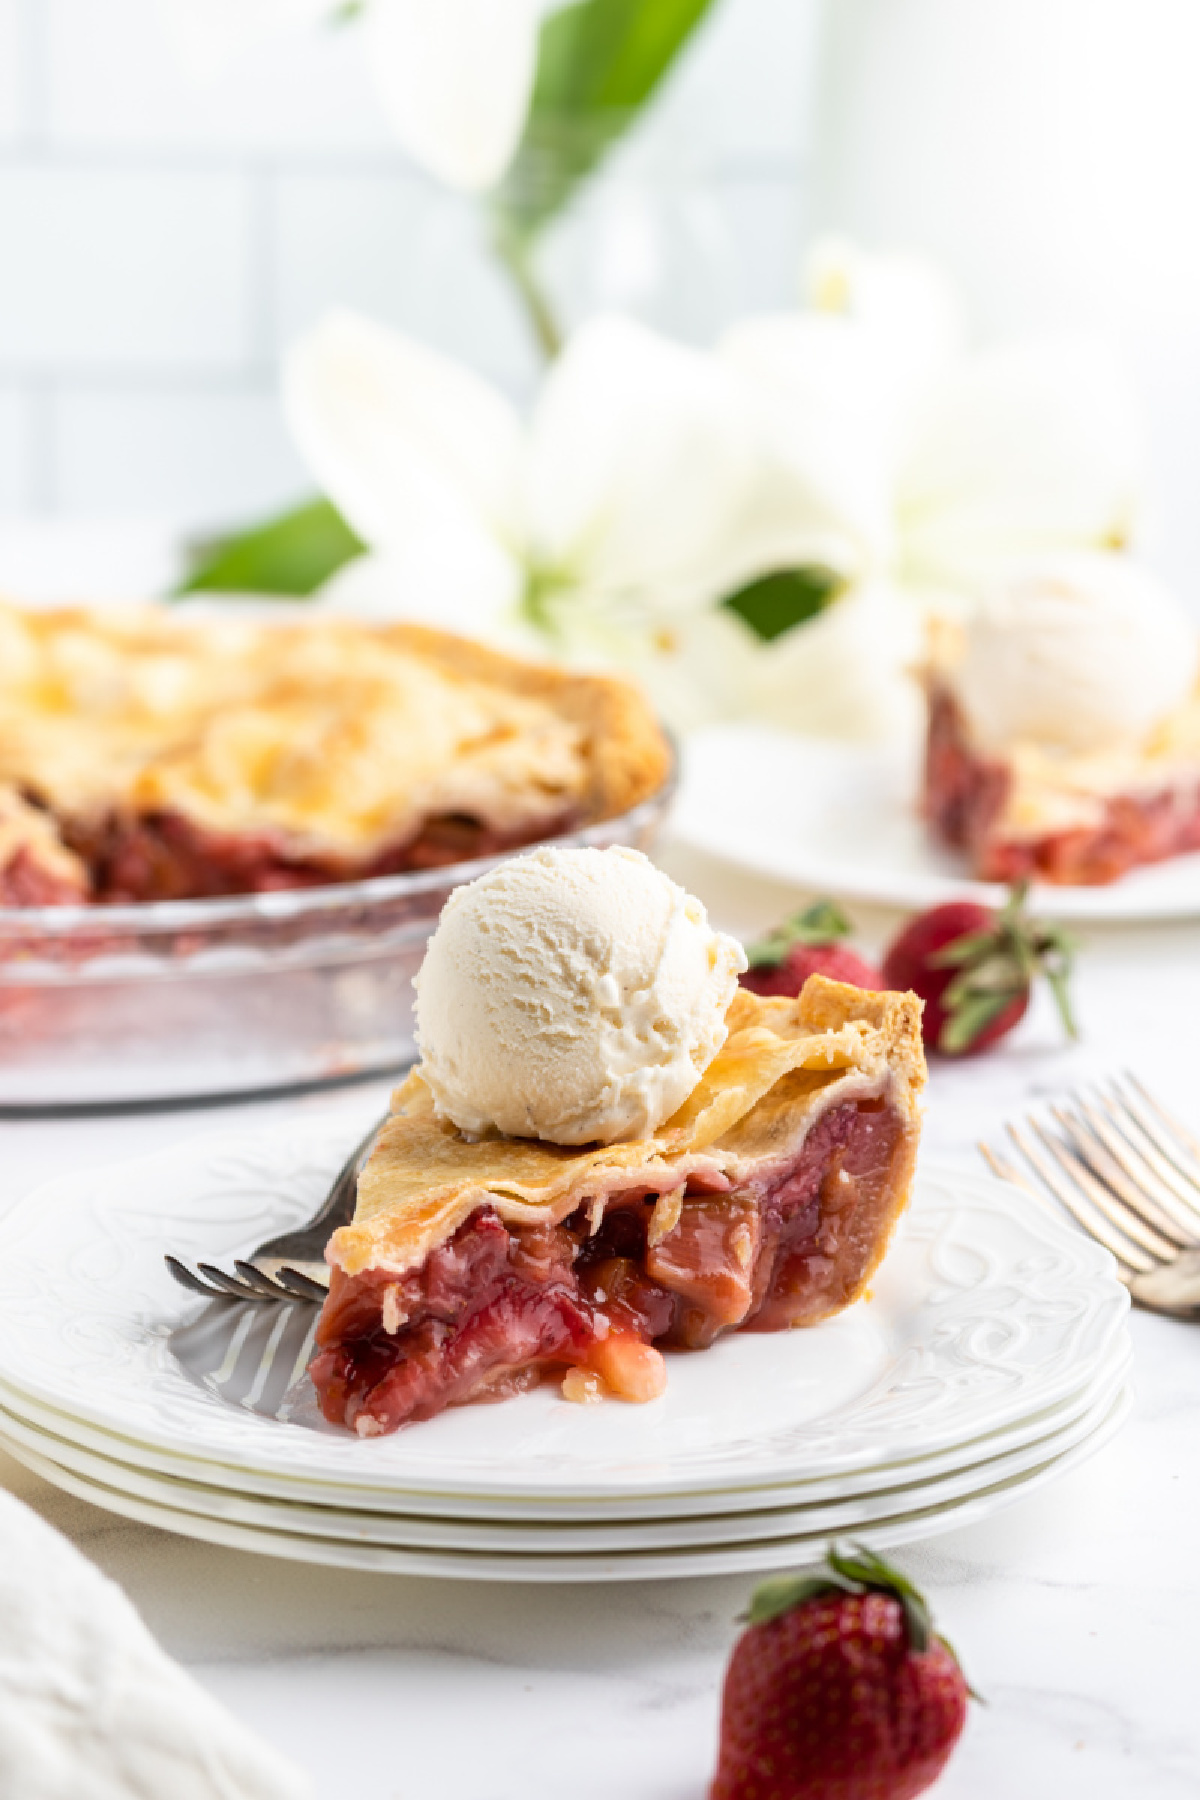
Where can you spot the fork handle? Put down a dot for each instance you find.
(338, 1208)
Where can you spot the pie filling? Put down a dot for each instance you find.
(27, 879)
(498, 1307)
(165, 856)
(967, 794)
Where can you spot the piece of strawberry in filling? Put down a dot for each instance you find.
(498, 1306)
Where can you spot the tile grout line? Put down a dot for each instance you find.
(40, 474)
(261, 267)
(34, 58)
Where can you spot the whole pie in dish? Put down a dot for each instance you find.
(475, 1266)
(148, 756)
(1064, 728)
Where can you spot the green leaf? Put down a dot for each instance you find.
(777, 603)
(773, 1598)
(291, 555)
(865, 1566)
(599, 62)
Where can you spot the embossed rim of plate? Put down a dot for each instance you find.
(639, 1565)
(86, 1303)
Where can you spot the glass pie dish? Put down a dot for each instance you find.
(201, 999)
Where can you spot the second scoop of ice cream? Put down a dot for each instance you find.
(1081, 651)
(572, 995)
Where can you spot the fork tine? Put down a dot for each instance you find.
(1151, 1128)
(300, 1286)
(1126, 1220)
(1093, 1219)
(1173, 1125)
(1174, 1179)
(260, 1282)
(1095, 1142)
(192, 1282)
(1008, 1171)
(228, 1284)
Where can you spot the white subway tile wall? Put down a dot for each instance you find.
(164, 238)
(15, 448)
(11, 115)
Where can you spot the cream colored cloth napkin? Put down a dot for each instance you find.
(91, 1708)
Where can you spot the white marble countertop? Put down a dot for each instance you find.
(1073, 1610)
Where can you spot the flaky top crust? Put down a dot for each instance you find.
(784, 1063)
(327, 734)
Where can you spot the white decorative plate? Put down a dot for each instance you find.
(835, 1515)
(842, 819)
(905, 1526)
(19, 1410)
(988, 1309)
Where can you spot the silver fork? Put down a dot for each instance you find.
(291, 1266)
(1129, 1173)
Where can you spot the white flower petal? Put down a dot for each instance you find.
(644, 455)
(456, 76)
(463, 583)
(845, 674)
(409, 444)
(209, 34)
(1029, 447)
(904, 301)
(823, 403)
(701, 670)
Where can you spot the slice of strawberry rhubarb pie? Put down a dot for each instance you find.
(481, 1260)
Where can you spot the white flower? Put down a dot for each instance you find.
(937, 462)
(627, 503)
(455, 76)
(934, 467)
(651, 482)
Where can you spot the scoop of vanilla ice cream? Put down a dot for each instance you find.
(1084, 651)
(572, 995)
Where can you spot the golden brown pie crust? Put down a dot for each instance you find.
(783, 1065)
(330, 742)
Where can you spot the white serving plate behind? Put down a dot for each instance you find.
(842, 819)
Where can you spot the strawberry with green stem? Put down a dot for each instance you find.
(839, 1689)
(809, 943)
(975, 970)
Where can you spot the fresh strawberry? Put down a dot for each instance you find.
(838, 1690)
(807, 944)
(975, 969)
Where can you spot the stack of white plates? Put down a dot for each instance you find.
(991, 1357)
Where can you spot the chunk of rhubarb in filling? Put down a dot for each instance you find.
(498, 1306)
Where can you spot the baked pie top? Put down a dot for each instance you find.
(783, 1065)
(329, 736)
